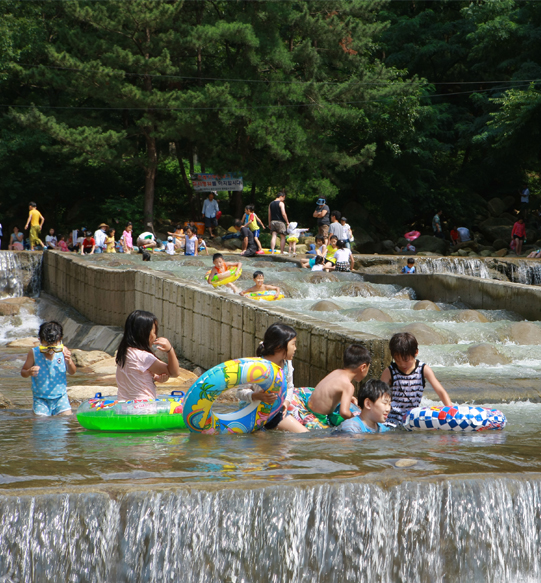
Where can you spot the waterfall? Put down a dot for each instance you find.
(527, 272)
(454, 265)
(418, 531)
(18, 278)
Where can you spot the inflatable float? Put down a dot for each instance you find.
(198, 414)
(110, 414)
(456, 418)
(267, 252)
(235, 272)
(268, 295)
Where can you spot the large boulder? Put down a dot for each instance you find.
(431, 244)
(5, 403)
(486, 354)
(367, 314)
(232, 244)
(424, 334)
(290, 291)
(497, 228)
(364, 243)
(496, 207)
(470, 316)
(500, 244)
(29, 342)
(84, 358)
(8, 309)
(526, 333)
(358, 289)
(426, 305)
(325, 306)
(500, 253)
(322, 277)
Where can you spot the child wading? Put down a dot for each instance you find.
(406, 376)
(137, 367)
(279, 346)
(47, 365)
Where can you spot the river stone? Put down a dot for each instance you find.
(322, 278)
(470, 316)
(88, 357)
(325, 306)
(486, 354)
(193, 262)
(81, 393)
(29, 342)
(368, 314)
(497, 228)
(500, 244)
(106, 366)
(485, 253)
(8, 309)
(496, 207)
(405, 463)
(432, 244)
(426, 305)
(358, 289)
(364, 243)
(526, 333)
(232, 244)
(500, 253)
(290, 291)
(5, 403)
(424, 334)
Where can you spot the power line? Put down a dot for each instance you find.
(247, 107)
(402, 83)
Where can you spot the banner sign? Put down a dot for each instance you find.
(208, 182)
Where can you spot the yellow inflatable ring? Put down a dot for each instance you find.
(197, 411)
(235, 272)
(270, 296)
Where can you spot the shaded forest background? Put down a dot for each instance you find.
(391, 110)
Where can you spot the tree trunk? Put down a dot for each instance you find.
(238, 204)
(150, 180)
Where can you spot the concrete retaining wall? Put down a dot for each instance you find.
(481, 294)
(205, 325)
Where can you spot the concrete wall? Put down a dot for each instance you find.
(205, 325)
(483, 294)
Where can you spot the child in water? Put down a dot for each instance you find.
(407, 378)
(137, 367)
(221, 269)
(410, 267)
(331, 401)
(279, 346)
(319, 264)
(375, 404)
(47, 365)
(260, 285)
(321, 249)
(201, 245)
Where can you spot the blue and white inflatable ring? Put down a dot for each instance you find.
(455, 418)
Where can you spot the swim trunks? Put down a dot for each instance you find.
(303, 414)
(49, 407)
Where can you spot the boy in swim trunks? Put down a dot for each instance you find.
(375, 404)
(47, 365)
(332, 400)
(220, 268)
(260, 285)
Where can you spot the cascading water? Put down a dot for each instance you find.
(455, 530)
(454, 265)
(17, 279)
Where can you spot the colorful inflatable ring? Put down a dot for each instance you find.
(198, 414)
(110, 414)
(267, 252)
(264, 295)
(236, 272)
(456, 418)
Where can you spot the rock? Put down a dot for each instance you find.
(364, 243)
(81, 393)
(485, 253)
(358, 289)
(423, 333)
(193, 262)
(8, 309)
(325, 306)
(509, 202)
(198, 371)
(367, 314)
(405, 463)
(473, 254)
(526, 333)
(500, 244)
(83, 358)
(232, 244)
(217, 241)
(496, 207)
(104, 367)
(426, 305)
(290, 291)
(500, 253)
(322, 278)
(309, 240)
(463, 252)
(431, 244)
(486, 354)
(5, 403)
(301, 248)
(497, 228)
(470, 316)
(428, 254)
(387, 245)
(220, 231)
(24, 343)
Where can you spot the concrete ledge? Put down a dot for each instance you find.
(477, 293)
(207, 326)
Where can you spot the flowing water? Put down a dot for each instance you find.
(82, 506)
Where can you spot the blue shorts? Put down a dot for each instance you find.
(49, 407)
(256, 233)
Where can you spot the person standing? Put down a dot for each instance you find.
(335, 228)
(210, 210)
(524, 199)
(100, 236)
(35, 220)
(518, 234)
(278, 221)
(322, 214)
(249, 246)
(436, 225)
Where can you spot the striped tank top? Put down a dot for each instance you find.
(407, 391)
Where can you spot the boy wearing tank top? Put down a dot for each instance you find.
(407, 377)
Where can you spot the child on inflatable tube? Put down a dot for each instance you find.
(279, 346)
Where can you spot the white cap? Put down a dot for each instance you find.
(169, 238)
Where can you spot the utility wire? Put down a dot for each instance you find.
(151, 108)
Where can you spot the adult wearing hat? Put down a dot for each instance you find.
(99, 237)
(322, 214)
